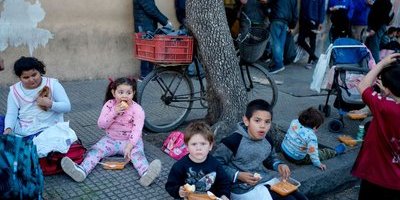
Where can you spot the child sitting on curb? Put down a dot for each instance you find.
(122, 119)
(249, 157)
(300, 145)
(198, 168)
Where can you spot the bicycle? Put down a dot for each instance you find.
(169, 89)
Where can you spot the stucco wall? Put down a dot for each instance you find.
(91, 39)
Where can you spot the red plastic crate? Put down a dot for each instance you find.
(164, 49)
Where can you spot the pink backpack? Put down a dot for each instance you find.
(175, 146)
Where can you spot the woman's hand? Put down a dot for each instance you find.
(248, 178)
(127, 151)
(44, 102)
(7, 131)
(284, 171)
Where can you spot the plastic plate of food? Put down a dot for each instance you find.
(114, 163)
(283, 187)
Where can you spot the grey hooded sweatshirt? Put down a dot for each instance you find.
(239, 153)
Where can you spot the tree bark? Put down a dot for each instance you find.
(226, 95)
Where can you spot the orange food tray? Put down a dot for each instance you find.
(284, 188)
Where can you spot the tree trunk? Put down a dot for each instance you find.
(226, 94)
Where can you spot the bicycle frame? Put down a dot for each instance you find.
(169, 93)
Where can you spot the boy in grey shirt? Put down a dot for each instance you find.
(245, 152)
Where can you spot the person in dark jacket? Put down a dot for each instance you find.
(312, 15)
(253, 13)
(378, 19)
(146, 18)
(283, 16)
(341, 12)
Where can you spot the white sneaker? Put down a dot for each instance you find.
(72, 169)
(152, 173)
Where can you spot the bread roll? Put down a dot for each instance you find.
(124, 105)
(189, 188)
(44, 92)
(257, 175)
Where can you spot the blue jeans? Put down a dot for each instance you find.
(278, 32)
(145, 68)
(373, 42)
(192, 68)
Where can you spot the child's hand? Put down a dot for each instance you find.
(223, 197)
(127, 151)
(284, 171)
(7, 131)
(322, 167)
(182, 192)
(389, 59)
(248, 178)
(121, 107)
(44, 103)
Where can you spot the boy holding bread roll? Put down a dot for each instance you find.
(249, 158)
(198, 172)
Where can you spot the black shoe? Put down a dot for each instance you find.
(274, 69)
(312, 59)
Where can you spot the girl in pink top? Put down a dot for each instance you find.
(122, 119)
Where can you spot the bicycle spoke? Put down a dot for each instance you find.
(166, 99)
(259, 84)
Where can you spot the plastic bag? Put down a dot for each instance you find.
(55, 138)
(300, 53)
(320, 69)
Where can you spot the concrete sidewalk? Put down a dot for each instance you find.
(87, 97)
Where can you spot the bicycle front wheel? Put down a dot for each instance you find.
(259, 83)
(166, 96)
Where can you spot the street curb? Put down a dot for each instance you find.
(316, 182)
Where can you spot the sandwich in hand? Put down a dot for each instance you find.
(44, 92)
(124, 105)
(189, 188)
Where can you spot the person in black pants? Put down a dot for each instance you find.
(312, 14)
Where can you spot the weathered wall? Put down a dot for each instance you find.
(90, 39)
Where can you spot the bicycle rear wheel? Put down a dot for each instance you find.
(166, 96)
(259, 83)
